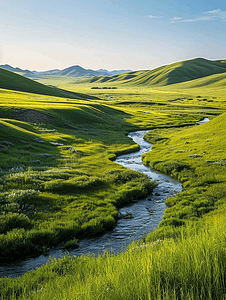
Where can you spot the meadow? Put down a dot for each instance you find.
(58, 180)
(59, 183)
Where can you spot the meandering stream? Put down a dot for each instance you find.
(147, 214)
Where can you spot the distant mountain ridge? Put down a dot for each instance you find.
(73, 71)
(25, 73)
(179, 72)
(166, 75)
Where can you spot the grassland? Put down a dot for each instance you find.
(58, 179)
(59, 183)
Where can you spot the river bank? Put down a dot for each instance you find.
(146, 215)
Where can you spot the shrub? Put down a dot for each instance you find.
(172, 222)
(76, 183)
(15, 200)
(171, 201)
(123, 176)
(14, 220)
(72, 244)
(170, 166)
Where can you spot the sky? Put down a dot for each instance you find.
(110, 34)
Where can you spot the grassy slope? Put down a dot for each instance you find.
(12, 81)
(196, 157)
(216, 80)
(166, 75)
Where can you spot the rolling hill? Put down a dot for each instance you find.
(166, 75)
(12, 81)
(213, 81)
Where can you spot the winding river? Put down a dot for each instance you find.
(147, 214)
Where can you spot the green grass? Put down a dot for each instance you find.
(68, 206)
(191, 266)
(59, 183)
(57, 171)
(197, 158)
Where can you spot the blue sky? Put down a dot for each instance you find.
(116, 34)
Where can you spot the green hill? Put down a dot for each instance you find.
(166, 75)
(16, 82)
(212, 81)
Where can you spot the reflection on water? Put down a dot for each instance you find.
(205, 120)
(147, 214)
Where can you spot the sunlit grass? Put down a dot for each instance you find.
(196, 157)
(191, 266)
(59, 183)
(93, 132)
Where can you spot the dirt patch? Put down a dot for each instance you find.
(33, 116)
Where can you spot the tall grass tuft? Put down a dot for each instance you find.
(190, 266)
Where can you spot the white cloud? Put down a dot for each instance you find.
(198, 19)
(216, 11)
(154, 17)
(218, 14)
(174, 19)
(213, 15)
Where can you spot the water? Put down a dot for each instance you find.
(205, 120)
(147, 214)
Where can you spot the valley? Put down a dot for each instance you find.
(59, 183)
